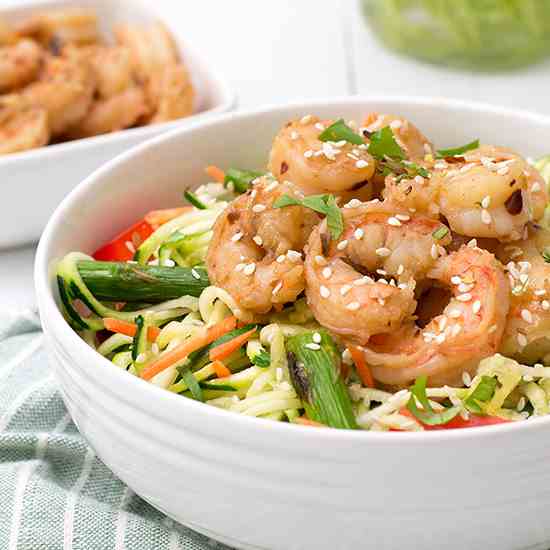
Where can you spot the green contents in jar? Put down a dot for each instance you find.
(478, 34)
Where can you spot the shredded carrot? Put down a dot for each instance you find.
(156, 218)
(223, 351)
(183, 350)
(221, 370)
(305, 421)
(215, 173)
(124, 327)
(361, 365)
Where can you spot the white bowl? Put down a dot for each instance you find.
(34, 182)
(266, 485)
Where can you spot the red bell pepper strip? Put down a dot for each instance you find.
(474, 421)
(123, 246)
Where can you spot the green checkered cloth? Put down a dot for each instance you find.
(54, 492)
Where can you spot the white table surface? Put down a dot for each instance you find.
(276, 51)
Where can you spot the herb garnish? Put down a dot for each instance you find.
(340, 131)
(241, 179)
(482, 393)
(262, 359)
(427, 415)
(192, 199)
(546, 255)
(457, 151)
(323, 204)
(440, 233)
(383, 145)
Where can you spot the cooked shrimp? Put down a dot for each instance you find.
(151, 48)
(255, 252)
(526, 336)
(493, 193)
(7, 35)
(112, 67)
(297, 155)
(416, 194)
(67, 26)
(110, 115)
(469, 328)
(407, 135)
(65, 90)
(21, 127)
(347, 288)
(19, 64)
(173, 94)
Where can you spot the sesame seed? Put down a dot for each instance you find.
(522, 339)
(394, 221)
(352, 156)
(316, 337)
(353, 203)
(258, 240)
(249, 269)
(403, 217)
(155, 348)
(466, 297)
(526, 316)
(492, 329)
(434, 252)
(486, 217)
(308, 154)
(305, 119)
(383, 251)
(346, 357)
(476, 306)
(278, 287)
(466, 379)
(472, 243)
(237, 237)
(258, 208)
(402, 286)
(195, 273)
(465, 168)
(342, 244)
(141, 358)
(294, 255)
(272, 186)
(463, 287)
(455, 313)
(442, 323)
(319, 126)
(353, 306)
(360, 282)
(400, 269)
(527, 378)
(521, 404)
(281, 258)
(239, 267)
(293, 135)
(313, 346)
(524, 278)
(485, 201)
(358, 233)
(440, 338)
(503, 171)
(396, 124)
(325, 292)
(383, 281)
(456, 330)
(320, 260)
(381, 301)
(419, 180)
(456, 280)
(535, 188)
(540, 292)
(345, 289)
(327, 272)
(381, 272)
(253, 193)
(361, 163)
(130, 246)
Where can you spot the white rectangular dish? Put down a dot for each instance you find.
(34, 182)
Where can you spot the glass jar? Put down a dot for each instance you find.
(488, 35)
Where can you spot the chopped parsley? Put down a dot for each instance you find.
(482, 393)
(427, 415)
(240, 179)
(262, 359)
(340, 131)
(383, 145)
(440, 233)
(323, 204)
(192, 199)
(546, 255)
(457, 151)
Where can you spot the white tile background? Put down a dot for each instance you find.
(278, 50)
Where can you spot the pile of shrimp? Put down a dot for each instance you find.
(435, 269)
(59, 81)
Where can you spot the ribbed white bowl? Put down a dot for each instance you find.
(261, 484)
